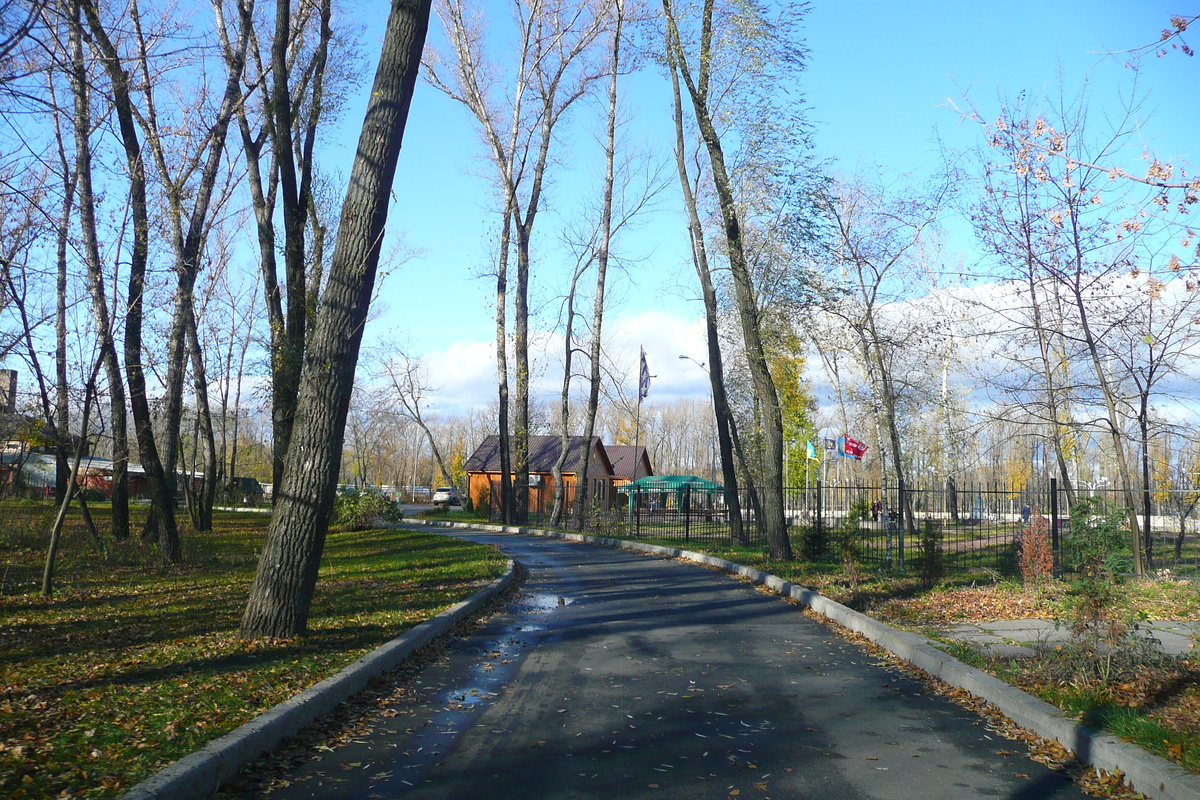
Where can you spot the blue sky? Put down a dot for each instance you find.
(883, 84)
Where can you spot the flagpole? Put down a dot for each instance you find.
(643, 390)
(637, 423)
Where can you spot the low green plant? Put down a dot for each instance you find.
(361, 508)
(931, 564)
(814, 542)
(848, 539)
(483, 508)
(1097, 557)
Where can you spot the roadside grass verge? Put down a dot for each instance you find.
(131, 665)
(453, 514)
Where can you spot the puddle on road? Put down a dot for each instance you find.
(544, 602)
(494, 662)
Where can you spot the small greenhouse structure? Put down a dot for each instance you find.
(673, 493)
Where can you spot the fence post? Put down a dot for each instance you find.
(637, 512)
(820, 520)
(1054, 539)
(903, 523)
(687, 507)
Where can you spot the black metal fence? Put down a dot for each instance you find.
(894, 527)
(980, 527)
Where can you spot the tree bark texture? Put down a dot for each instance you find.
(281, 596)
(606, 237)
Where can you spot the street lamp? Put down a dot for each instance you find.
(700, 364)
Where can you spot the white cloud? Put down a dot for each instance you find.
(464, 373)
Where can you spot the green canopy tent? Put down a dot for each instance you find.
(681, 487)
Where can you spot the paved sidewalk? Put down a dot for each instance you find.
(1025, 636)
(614, 675)
(617, 675)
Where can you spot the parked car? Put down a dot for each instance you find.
(445, 495)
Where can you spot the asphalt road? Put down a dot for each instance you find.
(616, 675)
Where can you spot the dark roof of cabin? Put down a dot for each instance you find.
(543, 452)
(625, 458)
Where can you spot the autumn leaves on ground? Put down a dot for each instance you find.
(131, 666)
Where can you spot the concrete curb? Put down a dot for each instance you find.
(201, 774)
(1147, 773)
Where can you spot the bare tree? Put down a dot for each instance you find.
(1014, 223)
(410, 385)
(103, 319)
(124, 108)
(877, 236)
(749, 50)
(1152, 339)
(602, 251)
(281, 595)
(288, 104)
(716, 368)
(555, 69)
(1093, 231)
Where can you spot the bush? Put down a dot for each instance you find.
(930, 561)
(362, 508)
(847, 539)
(1035, 556)
(814, 542)
(483, 509)
(1098, 555)
(1099, 543)
(90, 495)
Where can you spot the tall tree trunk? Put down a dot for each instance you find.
(1044, 335)
(200, 379)
(1110, 404)
(520, 432)
(1147, 484)
(290, 137)
(62, 409)
(168, 536)
(716, 366)
(287, 573)
(505, 443)
(564, 400)
(72, 484)
(189, 227)
(287, 361)
(92, 263)
(772, 522)
(606, 235)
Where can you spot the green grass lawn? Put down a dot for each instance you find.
(131, 665)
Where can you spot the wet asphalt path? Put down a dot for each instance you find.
(616, 675)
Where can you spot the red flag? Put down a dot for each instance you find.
(855, 448)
